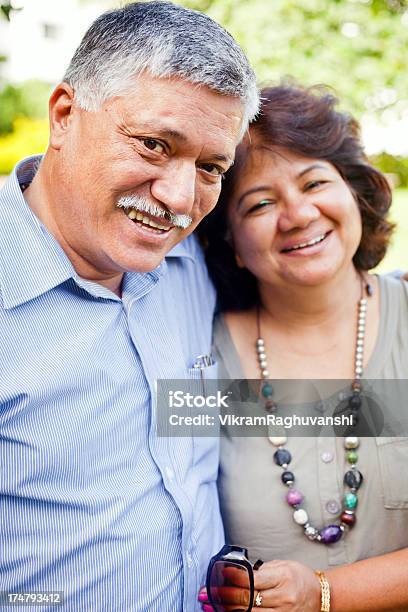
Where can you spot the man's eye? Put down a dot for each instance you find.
(213, 169)
(261, 204)
(153, 145)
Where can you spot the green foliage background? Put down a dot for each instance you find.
(304, 39)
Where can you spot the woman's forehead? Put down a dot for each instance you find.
(255, 156)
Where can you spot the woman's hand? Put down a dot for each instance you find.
(287, 586)
(281, 586)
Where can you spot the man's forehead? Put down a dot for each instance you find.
(177, 102)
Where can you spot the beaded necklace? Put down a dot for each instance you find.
(353, 478)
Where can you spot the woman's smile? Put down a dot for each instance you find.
(305, 246)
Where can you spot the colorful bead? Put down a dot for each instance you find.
(288, 478)
(351, 442)
(311, 532)
(355, 399)
(278, 440)
(350, 501)
(331, 534)
(270, 405)
(282, 456)
(352, 456)
(294, 497)
(267, 390)
(348, 519)
(300, 517)
(353, 479)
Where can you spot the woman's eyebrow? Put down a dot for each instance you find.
(252, 190)
(309, 168)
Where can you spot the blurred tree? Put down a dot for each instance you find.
(358, 47)
(26, 100)
(6, 8)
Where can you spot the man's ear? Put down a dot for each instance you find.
(61, 108)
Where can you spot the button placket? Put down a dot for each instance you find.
(330, 492)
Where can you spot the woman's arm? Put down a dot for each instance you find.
(379, 584)
(372, 585)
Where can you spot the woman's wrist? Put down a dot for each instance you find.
(324, 592)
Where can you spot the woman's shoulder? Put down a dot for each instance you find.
(390, 357)
(224, 348)
(394, 292)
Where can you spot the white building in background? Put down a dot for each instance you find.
(41, 38)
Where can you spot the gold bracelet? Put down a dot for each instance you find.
(324, 592)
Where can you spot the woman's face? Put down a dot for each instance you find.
(293, 219)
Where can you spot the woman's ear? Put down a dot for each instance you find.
(228, 239)
(239, 261)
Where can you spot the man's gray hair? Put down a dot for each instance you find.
(164, 40)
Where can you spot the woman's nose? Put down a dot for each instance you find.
(297, 211)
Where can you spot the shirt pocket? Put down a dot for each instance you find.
(393, 462)
(206, 438)
(209, 372)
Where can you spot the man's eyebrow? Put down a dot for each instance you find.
(253, 190)
(170, 133)
(309, 168)
(223, 158)
(166, 132)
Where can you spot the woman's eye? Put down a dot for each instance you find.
(261, 204)
(314, 184)
(213, 169)
(153, 145)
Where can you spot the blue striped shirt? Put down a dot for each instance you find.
(92, 502)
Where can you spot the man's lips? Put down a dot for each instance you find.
(305, 242)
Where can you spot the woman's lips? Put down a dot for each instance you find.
(306, 245)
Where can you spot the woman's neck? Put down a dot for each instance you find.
(304, 306)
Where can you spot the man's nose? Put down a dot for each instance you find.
(297, 211)
(176, 187)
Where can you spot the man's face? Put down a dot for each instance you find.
(165, 145)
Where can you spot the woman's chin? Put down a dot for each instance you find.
(309, 277)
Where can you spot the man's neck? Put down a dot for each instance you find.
(37, 196)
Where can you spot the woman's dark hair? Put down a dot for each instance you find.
(304, 121)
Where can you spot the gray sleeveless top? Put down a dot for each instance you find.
(252, 495)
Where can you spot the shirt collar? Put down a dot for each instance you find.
(181, 250)
(31, 260)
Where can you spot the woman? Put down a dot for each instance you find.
(301, 220)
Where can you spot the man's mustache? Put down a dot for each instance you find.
(141, 204)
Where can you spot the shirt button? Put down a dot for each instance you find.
(327, 456)
(189, 560)
(170, 473)
(333, 507)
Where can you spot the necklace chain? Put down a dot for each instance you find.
(282, 456)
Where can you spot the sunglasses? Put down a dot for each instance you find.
(230, 580)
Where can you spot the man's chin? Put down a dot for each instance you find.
(141, 260)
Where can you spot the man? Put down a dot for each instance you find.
(97, 302)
